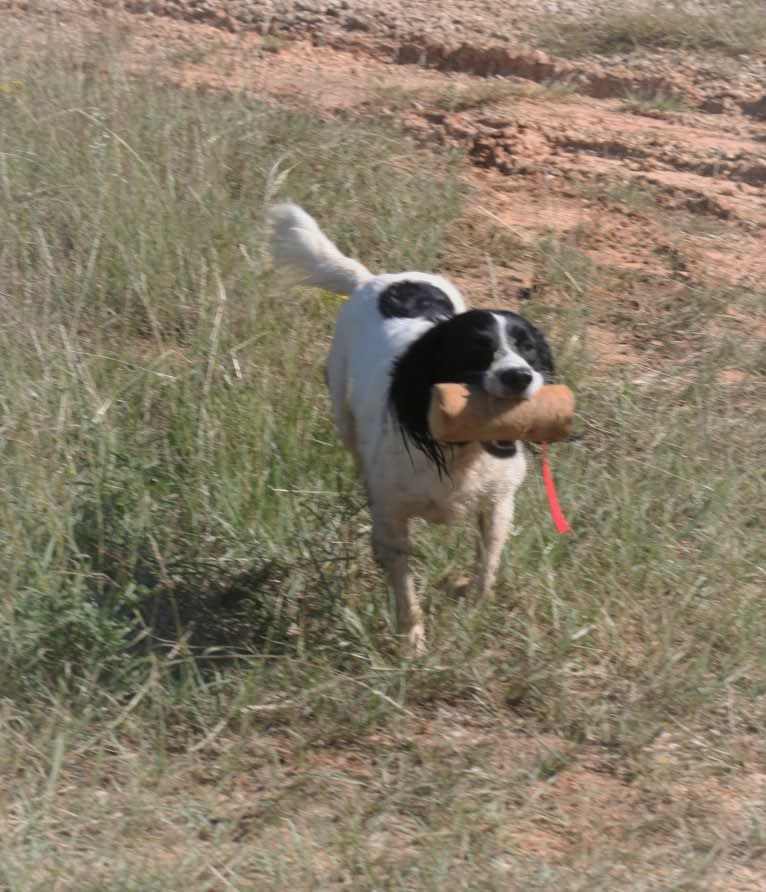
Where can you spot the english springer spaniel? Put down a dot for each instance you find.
(397, 335)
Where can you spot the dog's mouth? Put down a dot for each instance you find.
(500, 448)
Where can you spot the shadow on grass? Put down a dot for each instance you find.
(215, 610)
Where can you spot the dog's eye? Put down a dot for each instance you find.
(479, 343)
(524, 344)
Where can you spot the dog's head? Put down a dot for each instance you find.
(499, 351)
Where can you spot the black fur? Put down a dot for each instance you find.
(531, 344)
(458, 350)
(411, 300)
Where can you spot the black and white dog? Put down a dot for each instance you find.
(396, 336)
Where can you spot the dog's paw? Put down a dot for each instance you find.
(458, 587)
(414, 645)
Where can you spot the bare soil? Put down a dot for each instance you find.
(652, 164)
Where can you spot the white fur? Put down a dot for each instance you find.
(401, 482)
(505, 360)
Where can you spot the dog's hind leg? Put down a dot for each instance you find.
(391, 547)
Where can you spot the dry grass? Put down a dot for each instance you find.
(493, 92)
(731, 27)
(656, 106)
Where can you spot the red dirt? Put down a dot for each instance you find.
(577, 164)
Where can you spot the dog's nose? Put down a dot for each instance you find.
(515, 381)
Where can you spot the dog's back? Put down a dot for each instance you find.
(368, 341)
(383, 316)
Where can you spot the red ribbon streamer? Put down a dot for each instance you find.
(559, 521)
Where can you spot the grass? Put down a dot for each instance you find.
(655, 106)
(395, 98)
(190, 55)
(492, 92)
(734, 28)
(466, 97)
(639, 197)
(198, 681)
(456, 99)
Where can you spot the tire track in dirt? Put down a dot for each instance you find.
(411, 34)
(619, 174)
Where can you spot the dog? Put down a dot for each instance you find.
(397, 335)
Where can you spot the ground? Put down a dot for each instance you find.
(650, 164)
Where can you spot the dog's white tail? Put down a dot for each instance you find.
(298, 244)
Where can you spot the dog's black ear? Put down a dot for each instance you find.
(543, 360)
(412, 376)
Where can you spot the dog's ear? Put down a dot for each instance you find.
(410, 393)
(543, 359)
(411, 378)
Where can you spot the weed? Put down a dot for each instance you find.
(394, 97)
(190, 55)
(625, 27)
(489, 92)
(638, 196)
(654, 106)
(272, 43)
(493, 92)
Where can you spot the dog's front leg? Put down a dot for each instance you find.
(391, 547)
(494, 526)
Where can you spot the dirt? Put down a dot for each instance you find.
(652, 166)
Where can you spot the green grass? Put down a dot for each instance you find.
(655, 106)
(198, 680)
(466, 97)
(492, 92)
(641, 197)
(395, 98)
(168, 387)
(734, 28)
(456, 99)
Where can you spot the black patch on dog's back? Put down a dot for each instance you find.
(415, 300)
